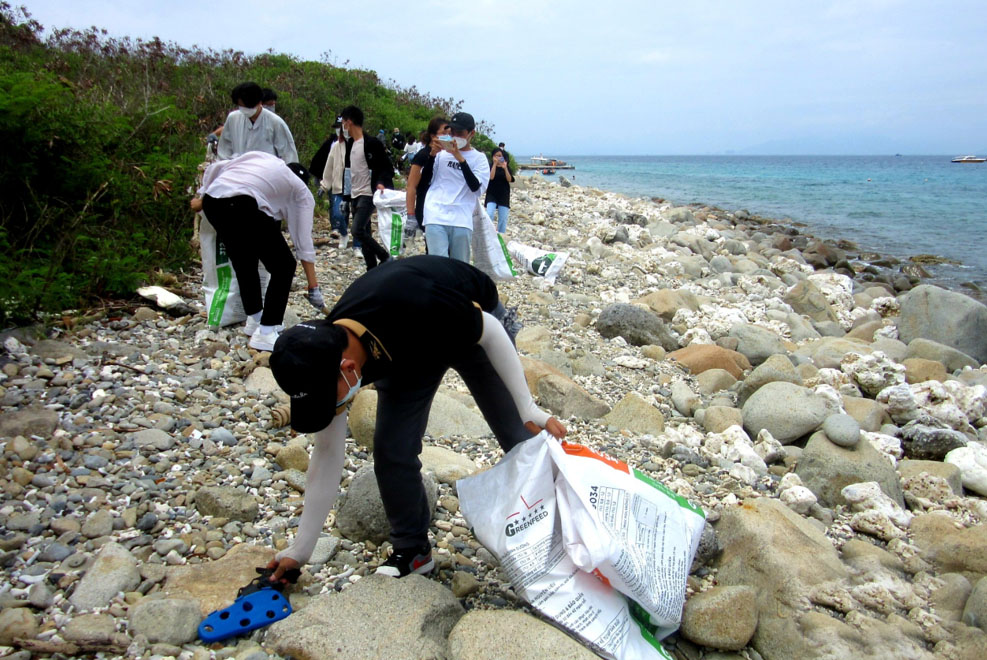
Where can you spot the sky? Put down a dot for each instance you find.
(628, 77)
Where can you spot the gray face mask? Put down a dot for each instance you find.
(247, 112)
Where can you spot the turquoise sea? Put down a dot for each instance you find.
(895, 205)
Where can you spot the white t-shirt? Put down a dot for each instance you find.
(449, 201)
(359, 171)
(277, 190)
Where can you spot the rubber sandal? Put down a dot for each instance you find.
(258, 604)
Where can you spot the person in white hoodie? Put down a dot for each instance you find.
(332, 184)
(245, 199)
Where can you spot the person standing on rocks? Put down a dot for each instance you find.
(367, 168)
(366, 339)
(498, 200)
(245, 199)
(459, 176)
(253, 128)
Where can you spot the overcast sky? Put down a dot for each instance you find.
(629, 76)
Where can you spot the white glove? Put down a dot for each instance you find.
(314, 296)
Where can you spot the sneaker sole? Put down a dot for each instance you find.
(260, 345)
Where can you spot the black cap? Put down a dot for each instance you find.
(462, 121)
(305, 362)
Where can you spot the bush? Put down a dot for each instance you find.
(102, 138)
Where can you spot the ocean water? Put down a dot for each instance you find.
(895, 205)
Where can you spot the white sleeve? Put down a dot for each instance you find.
(301, 208)
(284, 143)
(321, 488)
(503, 357)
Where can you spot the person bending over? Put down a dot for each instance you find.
(374, 335)
(245, 199)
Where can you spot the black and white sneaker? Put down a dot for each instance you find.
(408, 560)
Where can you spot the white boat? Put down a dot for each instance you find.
(968, 159)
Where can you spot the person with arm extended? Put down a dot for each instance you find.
(367, 339)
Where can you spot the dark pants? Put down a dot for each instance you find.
(402, 413)
(373, 252)
(250, 235)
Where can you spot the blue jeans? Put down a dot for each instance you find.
(337, 219)
(502, 212)
(445, 241)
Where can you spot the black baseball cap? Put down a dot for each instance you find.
(462, 121)
(305, 362)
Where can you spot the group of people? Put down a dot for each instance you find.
(366, 338)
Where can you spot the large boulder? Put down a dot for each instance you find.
(535, 370)
(447, 416)
(951, 358)
(214, 584)
(378, 617)
(637, 325)
(511, 634)
(756, 343)
(447, 465)
(114, 570)
(665, 302)
(565, 398)
(828, 352)
(776, 368)
(361, 515)
(806, 298)
(29, 421)
(947, 317)
(703, 357)
(636, 414)
(781, 555)
(826, 469)
(788, 411)
(949, 548)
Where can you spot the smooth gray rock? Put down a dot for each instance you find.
(721, 617)
(565, 398)
(114, 570)
(777, 368)
(930, 439)
(168, 620)
(842, 430)
(407, 618)
(806, 298)
(511, 634)
(93, 629)
(975, 611)
(756, 343)
(637, 326)
(826, 468)
(933, 350)
(154, 439)
(27, 422)
(786, 410)
(326, 548)
(947, 317)
(361, 514)
(684, 399)
(99, 523)
(222, 437)
(226, 502)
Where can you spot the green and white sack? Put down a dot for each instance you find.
(392, 217)
(223, 304)
(539, 263)
(489, 250)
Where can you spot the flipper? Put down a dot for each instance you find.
(258, 604)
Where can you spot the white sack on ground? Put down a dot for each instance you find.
(538, 262)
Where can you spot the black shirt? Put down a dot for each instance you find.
(499, 189)
(421, 160)
(419, 313)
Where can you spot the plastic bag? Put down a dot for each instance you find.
(489, 251)
(222, 293)
(392, 220)
(538, 262)
(561, 508)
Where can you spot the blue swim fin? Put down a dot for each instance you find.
(257, 605)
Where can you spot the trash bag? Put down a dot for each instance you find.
(562, 510)
(392, 220)
(489, 251)
(538, 262)
(222, 293)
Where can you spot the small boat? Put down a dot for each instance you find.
(548, 171)
(968, 159)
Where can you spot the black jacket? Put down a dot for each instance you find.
(381, 170)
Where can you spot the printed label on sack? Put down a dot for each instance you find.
(225, 275)
(397, 231)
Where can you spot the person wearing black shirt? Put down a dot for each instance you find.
(417, 182)
(498, 199)
(400, 327)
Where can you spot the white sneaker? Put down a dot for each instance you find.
(343, 240)
(264, 341)
(251, 327)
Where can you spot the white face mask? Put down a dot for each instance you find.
(346, 134)
(460, 142)
(339, 131)
(354, 388)
(271, 108)
(247, 112)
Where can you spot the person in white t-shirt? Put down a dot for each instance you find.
(459, 176)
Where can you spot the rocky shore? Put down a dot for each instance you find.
(827, 413)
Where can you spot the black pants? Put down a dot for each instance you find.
(373, 252)
(403, 404)
(250, 235)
